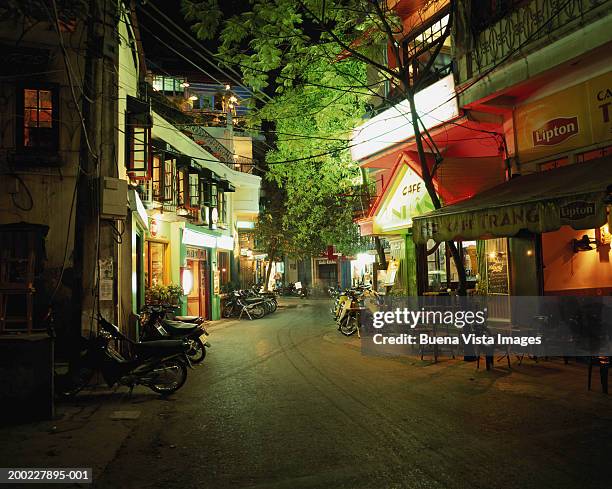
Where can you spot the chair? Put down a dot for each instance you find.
(604, 365)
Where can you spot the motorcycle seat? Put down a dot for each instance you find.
(189, 319)
(161, 345)
(179, 327)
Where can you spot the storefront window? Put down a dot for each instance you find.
(436, 266)
(154, 262)
(441, 269)
(223, 267)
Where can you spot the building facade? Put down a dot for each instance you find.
(129, 200)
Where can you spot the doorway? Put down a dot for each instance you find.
(198, 296)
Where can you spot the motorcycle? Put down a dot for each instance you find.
(156, 326)
(159, 365)
(237, 305)
(350, 306)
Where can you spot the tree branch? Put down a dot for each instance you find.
(346, 47)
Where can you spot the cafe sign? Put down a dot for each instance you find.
(586, 212)
(407, 197)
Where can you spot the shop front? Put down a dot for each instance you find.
(200, 270)
(404, 198)
(542, 233)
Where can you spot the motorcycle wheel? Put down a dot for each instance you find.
(257, 312)
(197, 352)
(171, 375)
(349, 325)
(228, 311)
(273, 305)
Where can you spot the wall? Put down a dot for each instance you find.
(566, 270)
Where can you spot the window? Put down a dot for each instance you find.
(418, 48)
(194, 190)
(441, 270)
(154, 263)
(38, 118)
(138, 154)
(169, 180)
(214, 209)
(157, 180)
(222, 207)
(182, 193)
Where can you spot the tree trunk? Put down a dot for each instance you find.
(382, 259)
(428, 180)
(269, 270)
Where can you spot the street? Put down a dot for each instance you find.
(286, 402)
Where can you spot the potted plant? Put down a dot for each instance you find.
(164, 294)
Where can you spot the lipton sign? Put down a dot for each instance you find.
(575, 117)
(555, 131)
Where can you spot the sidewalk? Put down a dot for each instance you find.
(86, 432)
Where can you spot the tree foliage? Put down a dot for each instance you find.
(305, 50)
(320, 95)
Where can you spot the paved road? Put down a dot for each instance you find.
(285, 402)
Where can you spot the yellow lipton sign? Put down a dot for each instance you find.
(407, 197)
(578, 116)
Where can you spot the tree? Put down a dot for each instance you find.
(308, 49)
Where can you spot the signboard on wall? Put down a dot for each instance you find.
(435, 104)
(217, 282)
(497, 273)
(406, 198)
(576, 117)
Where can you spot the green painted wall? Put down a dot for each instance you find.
(410, 267)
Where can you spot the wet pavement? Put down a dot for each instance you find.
(287, 402)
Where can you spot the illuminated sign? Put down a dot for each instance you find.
(435, 104)
(406, 198)
(245, 225)
(575, 117)
(193, 238)
(225, 242)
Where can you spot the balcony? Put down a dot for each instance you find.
(363, 198)
(501, 30)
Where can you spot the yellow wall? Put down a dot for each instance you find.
(566, 270)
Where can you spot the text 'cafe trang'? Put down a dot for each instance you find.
(538, 217)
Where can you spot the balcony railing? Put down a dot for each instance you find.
(512, 26)
(363, 197)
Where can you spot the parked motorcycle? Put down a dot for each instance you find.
(238, 305)
(350, 306)
(155, 325)
(159, 365)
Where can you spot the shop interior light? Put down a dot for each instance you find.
(365, 259)
(193, 98)
(187, 281)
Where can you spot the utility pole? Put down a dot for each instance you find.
(94, 240)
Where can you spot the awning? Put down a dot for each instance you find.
(540, 202)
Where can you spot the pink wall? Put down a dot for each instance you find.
(564, 269)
